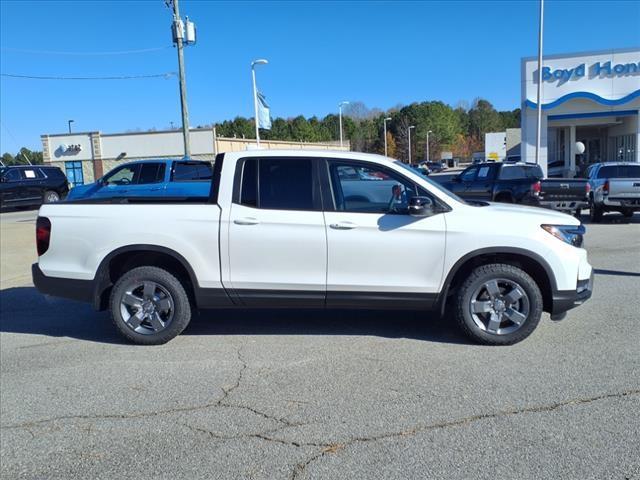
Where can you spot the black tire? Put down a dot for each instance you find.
(595, 213)
(504, 198)
(500, 272)
(627, 213)
(166, 282)
(50, 196)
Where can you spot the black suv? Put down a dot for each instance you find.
(31, 185)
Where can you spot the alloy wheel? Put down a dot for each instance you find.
(147, 307)
(499, 306)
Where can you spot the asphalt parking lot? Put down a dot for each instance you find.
(321, 395)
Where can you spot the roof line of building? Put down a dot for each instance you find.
(581, 54)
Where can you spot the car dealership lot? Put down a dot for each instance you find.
(340, 394)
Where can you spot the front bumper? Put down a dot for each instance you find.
(81, 290)
(564, 300)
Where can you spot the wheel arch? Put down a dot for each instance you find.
(532, 263)
(116, 263)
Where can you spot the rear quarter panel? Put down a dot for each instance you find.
(82, 235)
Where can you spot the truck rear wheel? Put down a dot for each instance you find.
(595, 213)
(149, 306)
(498, 304)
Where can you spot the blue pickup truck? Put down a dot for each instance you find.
(150, 178)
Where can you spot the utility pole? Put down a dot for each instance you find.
(409, 135)
(69, 122)
(428, 132)
(340, 105)
(384, 122)
(178, 36)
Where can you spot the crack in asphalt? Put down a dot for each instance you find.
(221, 403)
(300, 468)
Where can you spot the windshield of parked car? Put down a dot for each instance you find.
(433, 184)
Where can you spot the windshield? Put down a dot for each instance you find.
(435, 185)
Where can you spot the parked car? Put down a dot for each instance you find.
(31, 185)
(435, 167)
(279, 230)
(150, 178)
(615, 187)
(518, 183)
(497, 182)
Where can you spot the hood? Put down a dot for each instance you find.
(537, 214)
(82, 191)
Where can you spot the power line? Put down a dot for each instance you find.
(121, 77)
(51, 52)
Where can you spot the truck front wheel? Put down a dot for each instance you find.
(498, 304)
(149, 306)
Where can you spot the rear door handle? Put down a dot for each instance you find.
(343, 226)
(246, 221)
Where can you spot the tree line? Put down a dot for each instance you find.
(23, 156)
(459, 129)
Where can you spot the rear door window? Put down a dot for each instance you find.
(279, 184)
(32, 174)
(151, 173)
(192, 171)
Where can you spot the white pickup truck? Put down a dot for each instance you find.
(278, 230)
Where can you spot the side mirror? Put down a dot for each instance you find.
(456, 179)
(420, 206)
(3, 179)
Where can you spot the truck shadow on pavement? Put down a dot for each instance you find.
(25, 310)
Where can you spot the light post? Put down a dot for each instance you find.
(384, 122)
(260, 61)
(69, 122)
(340, 105)
(539, 106)
(428, 132)
(409, 131)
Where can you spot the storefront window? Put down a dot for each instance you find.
(622, 148)
(74, 173)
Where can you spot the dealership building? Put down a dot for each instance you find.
(592, 98)
(86, 156)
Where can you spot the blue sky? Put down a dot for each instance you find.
(381, 53)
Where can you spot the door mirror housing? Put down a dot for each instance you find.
(420, 206)
(456, 179)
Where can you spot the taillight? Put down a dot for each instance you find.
(43, 235)
(587, 187)
(605, 188)
(536, 188)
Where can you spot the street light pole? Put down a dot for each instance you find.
(412, 126)
(340, 115)
(539, 119)
(428, 132)
(69, 122)
(178, 37)
(260, 61)
(384, 122)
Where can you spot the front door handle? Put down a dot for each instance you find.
(246, 221)
(343, 226)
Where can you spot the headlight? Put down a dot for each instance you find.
(571, 234)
